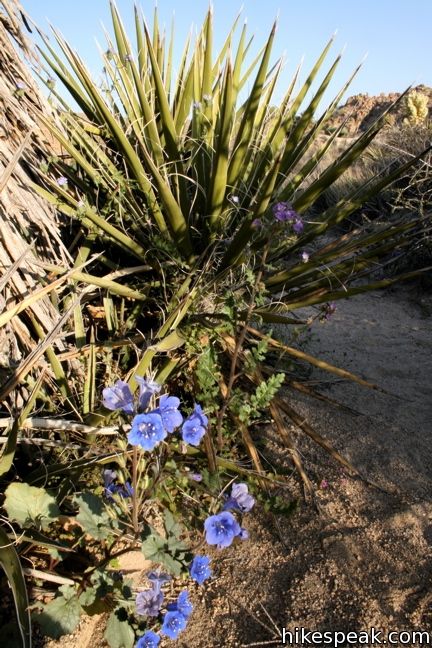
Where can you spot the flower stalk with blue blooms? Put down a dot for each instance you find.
(152, 423)
(149, 602)
(154, 418)
(151, 426)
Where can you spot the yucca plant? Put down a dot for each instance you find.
(193, 204)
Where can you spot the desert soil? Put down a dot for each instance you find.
(365, 560)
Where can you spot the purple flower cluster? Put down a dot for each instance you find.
(240, 499)
(195, 426)
(176, 618)
(149, 603)
(284, 212)
(149, 429)
(119, 396)
(112, 487)
(222, 528)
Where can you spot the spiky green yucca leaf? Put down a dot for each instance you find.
(10, 562)
(8, 452)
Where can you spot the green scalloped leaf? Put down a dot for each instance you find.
(61, 616)
(29, 505)
(169, 551)
(93, 516)
(172, 527)
(118, 632)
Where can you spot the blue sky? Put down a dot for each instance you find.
(395, 34)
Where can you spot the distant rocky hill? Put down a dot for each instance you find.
(362, 109)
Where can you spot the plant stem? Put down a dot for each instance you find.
(135, 490)
(239, 344)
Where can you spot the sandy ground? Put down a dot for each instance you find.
(366, 560)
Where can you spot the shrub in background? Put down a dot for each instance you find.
(417, 108)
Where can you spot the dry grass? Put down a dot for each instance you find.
(30, 232)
